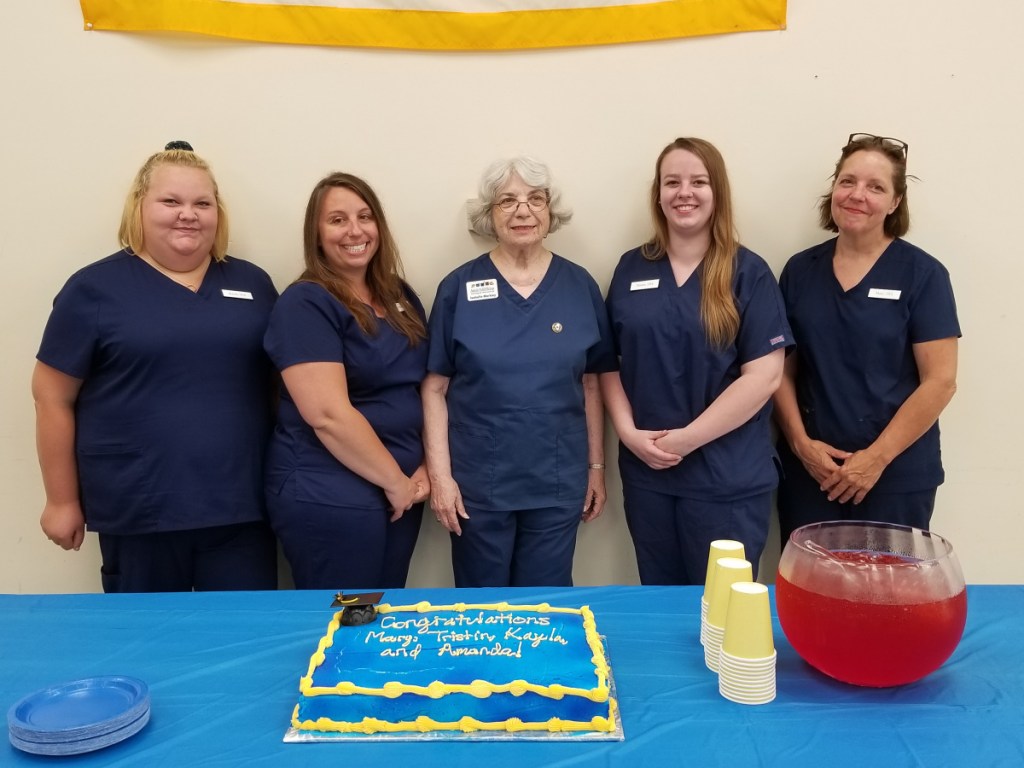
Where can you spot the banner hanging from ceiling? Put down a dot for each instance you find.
(439, 25)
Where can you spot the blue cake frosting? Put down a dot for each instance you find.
(465, 667)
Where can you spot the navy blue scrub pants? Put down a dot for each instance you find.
(332, 547)
(672, 536)
(517, 548)
(224, 557)
(801, 502)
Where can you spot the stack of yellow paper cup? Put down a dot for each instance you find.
(727, 571)
(746, 664)
(719, 548)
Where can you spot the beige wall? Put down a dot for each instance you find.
(81, 111)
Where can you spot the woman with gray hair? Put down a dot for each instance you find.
(513, 420)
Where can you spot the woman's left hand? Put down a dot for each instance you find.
(857, 475)
(593, 502)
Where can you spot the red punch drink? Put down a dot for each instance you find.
(870, 617)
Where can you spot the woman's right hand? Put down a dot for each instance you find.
(446, 502)
(642, 443)
(401, 497)
(64, 524)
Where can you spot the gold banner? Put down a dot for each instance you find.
(439, 25)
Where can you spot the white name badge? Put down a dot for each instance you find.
(644, 285)
(884, 293)
(237, 294)
(479, 290)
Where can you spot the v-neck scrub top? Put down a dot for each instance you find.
(383, 373)
(517, 429)
(856, 360)
(174, 410)
(671, 373)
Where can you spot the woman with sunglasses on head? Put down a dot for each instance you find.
(514, 425)
(700, 329)
(875, 364)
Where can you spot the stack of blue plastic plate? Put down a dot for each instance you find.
(81, 716)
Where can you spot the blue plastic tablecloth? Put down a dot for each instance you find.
(223, 671)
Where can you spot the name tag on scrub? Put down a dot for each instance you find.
(891, 294)
(479, 290)
(644, 285)
(227, 292)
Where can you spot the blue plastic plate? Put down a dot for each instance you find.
(79, 709)
(80, 746)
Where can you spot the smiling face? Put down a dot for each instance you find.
(179, 216)
(521, 227)
(348, 232)
(685, 193)
(863, 193)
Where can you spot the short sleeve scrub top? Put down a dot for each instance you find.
(383, 373)
(856, 362)
(516, 419)
(671, 374)
(174, 410)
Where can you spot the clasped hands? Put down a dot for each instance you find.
(843, 475)
(415, 490)
(658, 448)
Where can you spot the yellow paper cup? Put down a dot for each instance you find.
(720, 548)
(748, 622)
(728, 571)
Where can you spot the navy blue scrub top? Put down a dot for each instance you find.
(174, 410)
(517, 429)
(671, 374)
(383, 373)
(856, 360)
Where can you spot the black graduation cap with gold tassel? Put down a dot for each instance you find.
(357, 609)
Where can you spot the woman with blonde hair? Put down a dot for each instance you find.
(153, 396)
(700, 330)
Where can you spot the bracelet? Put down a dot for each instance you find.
(597, 466)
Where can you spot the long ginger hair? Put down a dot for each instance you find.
(718, 312)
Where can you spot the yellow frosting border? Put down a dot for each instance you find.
(424, 724)
(478, 688)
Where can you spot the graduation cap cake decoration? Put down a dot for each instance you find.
(357, 609)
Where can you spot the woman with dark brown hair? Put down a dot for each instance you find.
(700, 330)
(345, 479)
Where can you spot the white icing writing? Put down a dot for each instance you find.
(380, 637)
(425, 623)
(411, 653)
(496, 650)
(504, 633)
(535, 638)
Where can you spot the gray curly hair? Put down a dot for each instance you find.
(533, 172)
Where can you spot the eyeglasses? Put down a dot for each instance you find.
(536, 201)
(886, 141)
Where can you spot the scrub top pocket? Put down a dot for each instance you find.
(472, 453)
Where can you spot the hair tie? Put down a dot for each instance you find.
(178, 144)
